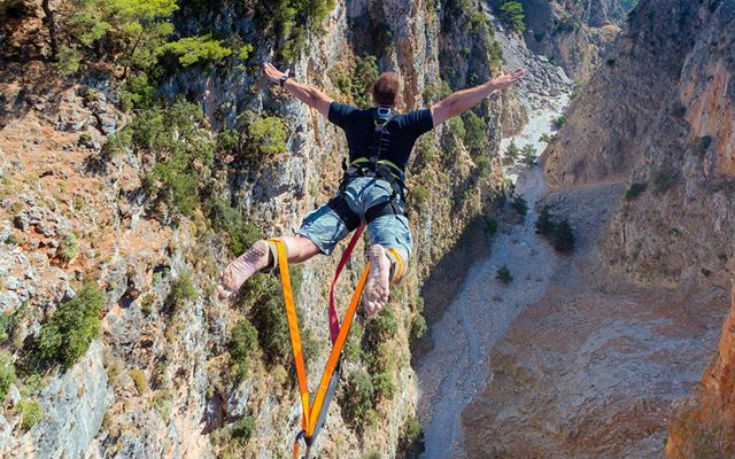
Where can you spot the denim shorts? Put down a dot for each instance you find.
(325, 229)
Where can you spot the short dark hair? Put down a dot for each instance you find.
(386, 89)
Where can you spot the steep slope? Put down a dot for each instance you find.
(658, 117)
(91, 194)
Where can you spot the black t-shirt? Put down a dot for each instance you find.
(398, 137)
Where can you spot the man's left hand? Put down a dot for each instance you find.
(273, 73)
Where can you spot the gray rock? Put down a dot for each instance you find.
(11, 283)
(74, 406)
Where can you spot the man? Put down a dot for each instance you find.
(380, 141)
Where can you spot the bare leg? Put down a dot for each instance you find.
(260, 256)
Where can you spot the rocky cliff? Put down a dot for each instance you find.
(575, 35)
(658, 117)
(91, 195)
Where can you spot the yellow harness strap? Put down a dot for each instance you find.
(399, 264)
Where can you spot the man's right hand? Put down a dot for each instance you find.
(505, 81)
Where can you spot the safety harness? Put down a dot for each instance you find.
(372, 166)
(314, 413)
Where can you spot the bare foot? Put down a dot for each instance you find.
(377, 287)
(236, 273)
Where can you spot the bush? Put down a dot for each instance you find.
(356, 400)
(139, 380)
(528, 155)
(381, 327)
(512, 13)
(201, 49)
(66, 337)
(266, 136)
(475, 137)
(7, 375)
(241, 233)
(418, 327)
(383, 386)
(183, 289)
(519, 205)
(560, 121)
(242, 429)
(564, 237)
(504, 275)
(183, 149)
(69, 248)
(513, 152)
(635, 190)
(544, 225)
(243, 340)
(30, 412)
(546, 138)
(373, 454)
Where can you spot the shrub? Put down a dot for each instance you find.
(418, 327)
(528, 155)
(184, 151)
(7, 375)
(264, 299)
(546, 138)
(635, 190)
(512, 13)
(243, 340)
(519, 205)
(201, 49)
(356, 399)
(30, 412)
(373, 454)
(544, 225)
(383, 386)
(504, 275)
(475, 137)
(560, 121)
(242, 429)
(419, 195)
(240, 232)
(139, 380)
(66, 337)
(266, 136)
(513, 152)
(381, 327)
(183, 289)
(564, 237)
(133, 31)
(69, 248)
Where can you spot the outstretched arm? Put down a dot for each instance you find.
(461, 101)
(309, 95)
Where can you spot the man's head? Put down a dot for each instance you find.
(385, 90)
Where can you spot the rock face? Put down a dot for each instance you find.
(575, 34)
(704, 425)
(667, 99)
(658, 116)
(153, 385)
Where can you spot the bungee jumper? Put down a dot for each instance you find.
(371, 195)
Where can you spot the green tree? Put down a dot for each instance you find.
(513, 152)
(192, 50)
(66, 337)
(503, 275)
(528, 155)
(133, 31)
(512, 13)
(544, 225)
(564, 237)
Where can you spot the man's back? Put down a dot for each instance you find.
(398, 135)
